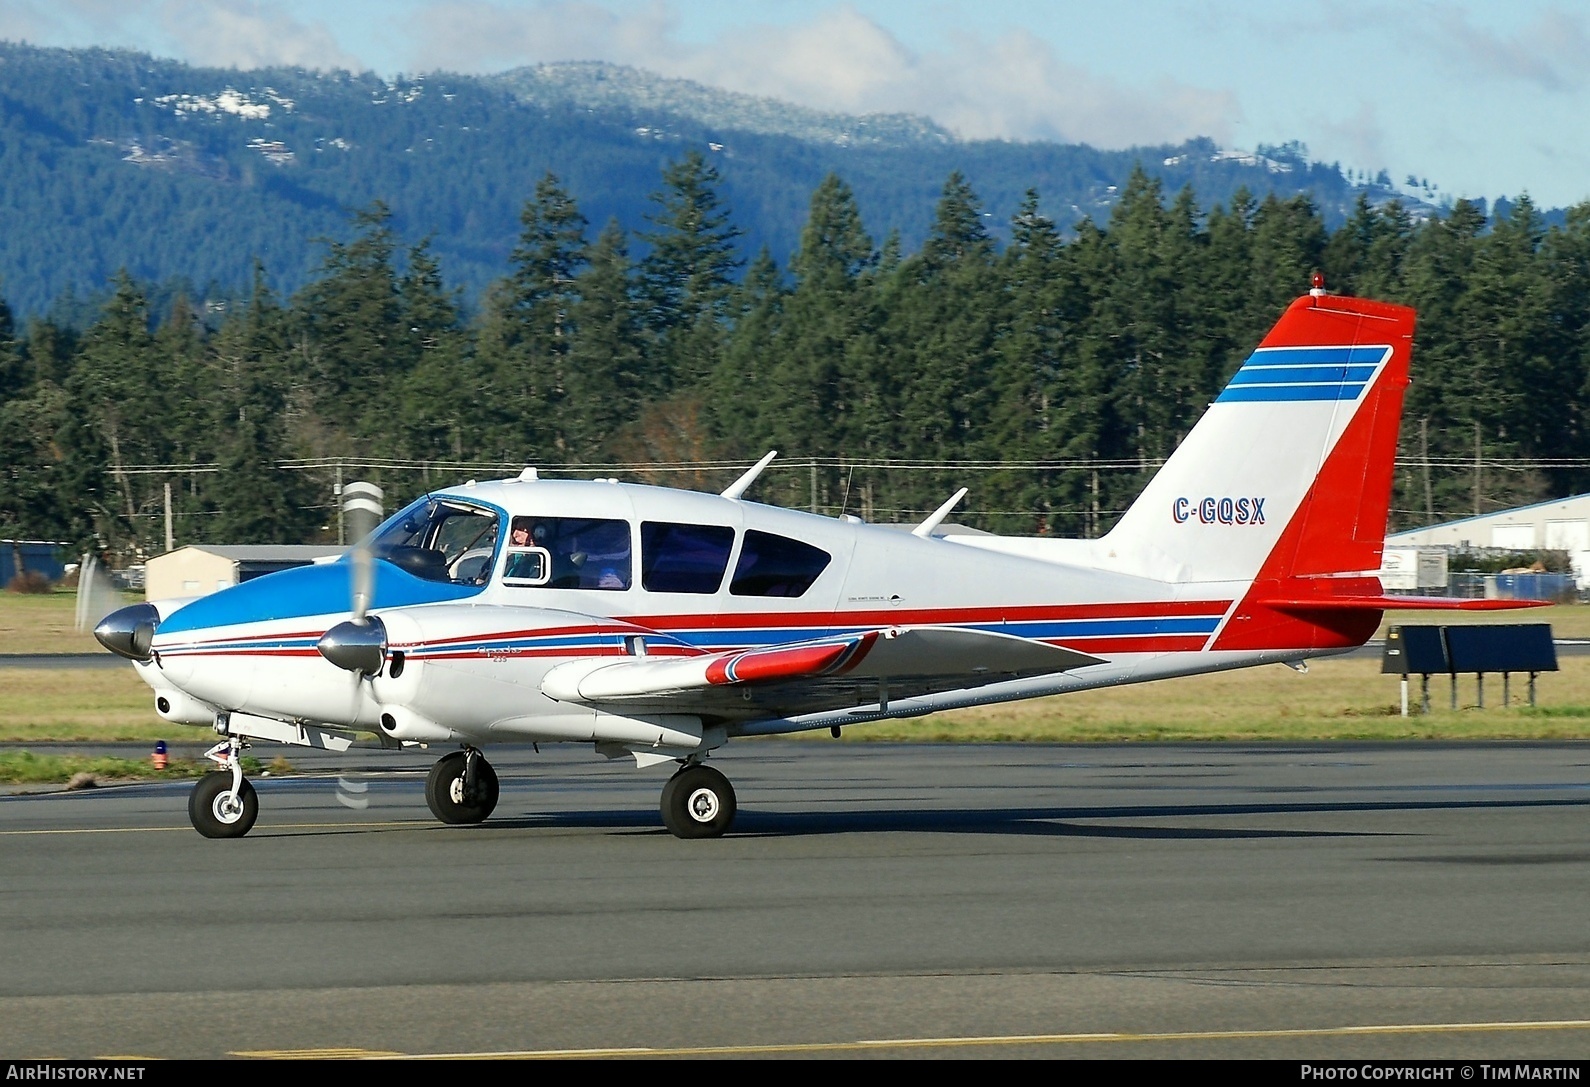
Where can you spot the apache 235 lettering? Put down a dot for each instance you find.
(657, 625)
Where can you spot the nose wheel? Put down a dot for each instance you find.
(698, 802)
(461, 788)
(223, 803)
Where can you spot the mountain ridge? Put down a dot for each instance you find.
(114, 159)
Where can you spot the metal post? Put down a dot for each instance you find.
(342, 532)
(1454, 690)
(1479, 687)
(1405, 694)
(170, 539)
(1424, 690)
(1532, 688)
(1507, 687)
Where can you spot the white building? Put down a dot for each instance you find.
(201, 569)
(1562, 524)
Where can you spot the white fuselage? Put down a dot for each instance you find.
(472, 668)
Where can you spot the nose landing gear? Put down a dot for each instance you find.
(223, 803)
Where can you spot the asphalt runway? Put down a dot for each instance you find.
(1296, 901)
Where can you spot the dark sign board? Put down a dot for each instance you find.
(1526, 647)
(1416, 650)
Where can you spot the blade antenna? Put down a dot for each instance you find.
(740, 486)
(934, 519)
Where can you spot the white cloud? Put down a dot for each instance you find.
(1549, 52)
(1359, 139)
(245, 34)
(222, 33)
(1013, 86)
(479, 36)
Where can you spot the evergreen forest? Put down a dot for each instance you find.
(1048, 366)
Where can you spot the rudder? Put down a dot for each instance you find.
(1288, 474)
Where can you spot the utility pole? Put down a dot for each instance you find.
(171, 543)
(1093, 526)
(1423, 442)
(1476, 469)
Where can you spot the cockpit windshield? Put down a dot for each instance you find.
(440, 540)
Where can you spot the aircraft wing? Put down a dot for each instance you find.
(853, 669)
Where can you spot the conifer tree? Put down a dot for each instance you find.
(352, 318)
(945, 325)
(118, 392)
(687, 276)
(608, 384)
(818, 381)
(527, 332)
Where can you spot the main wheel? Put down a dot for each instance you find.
(698, 802)
(445, 795)
(215, 812)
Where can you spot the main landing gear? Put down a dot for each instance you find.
(698, 802)
(461, 787)
(223, 804)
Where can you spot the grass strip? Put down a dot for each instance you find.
(31, 768)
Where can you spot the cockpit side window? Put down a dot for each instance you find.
(568, 553)
(440, 541)
(677, 558)
(776, 566)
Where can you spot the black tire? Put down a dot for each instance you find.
(698, 802)
(210, 812)
(444, 790)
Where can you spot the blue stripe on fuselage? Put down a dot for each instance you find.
(1052, 629)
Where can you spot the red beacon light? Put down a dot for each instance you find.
(1318, 288)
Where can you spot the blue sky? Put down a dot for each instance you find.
(1481, 99)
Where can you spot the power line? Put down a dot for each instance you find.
(397, 464)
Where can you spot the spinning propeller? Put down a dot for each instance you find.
(359, 644)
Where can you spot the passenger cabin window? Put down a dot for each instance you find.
(776, 566)
(683, 558)
(568, 553)
(440, 541)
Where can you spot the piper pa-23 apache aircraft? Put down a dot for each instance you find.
(659, 624)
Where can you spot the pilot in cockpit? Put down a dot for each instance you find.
(526, 564)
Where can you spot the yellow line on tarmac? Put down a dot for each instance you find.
(940, 1043)
(259, 832)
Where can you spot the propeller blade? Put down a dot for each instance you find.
(362, 511)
